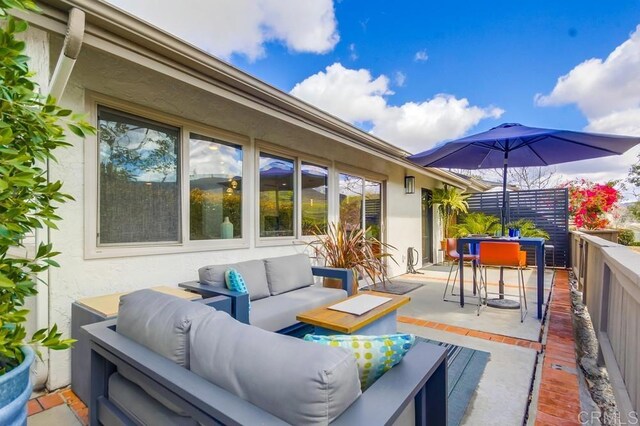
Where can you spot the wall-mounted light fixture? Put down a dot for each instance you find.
(409, 184)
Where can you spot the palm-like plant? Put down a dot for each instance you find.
(451, 202)
(528, 229)
(356, 250)
(477, 223)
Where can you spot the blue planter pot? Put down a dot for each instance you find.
(15, 390)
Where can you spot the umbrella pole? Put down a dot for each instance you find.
(503, 216)
(501, 302)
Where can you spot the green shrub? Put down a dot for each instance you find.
(476, 224)
(528, 229)
(626, 237)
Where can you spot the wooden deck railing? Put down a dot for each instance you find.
(609, 276)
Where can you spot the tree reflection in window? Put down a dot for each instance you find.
(315, 208)
(138, 179)
(351, 188)
(276, 196)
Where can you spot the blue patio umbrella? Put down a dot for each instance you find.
(515, 145)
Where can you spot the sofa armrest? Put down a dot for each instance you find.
(421, 377)
(203, 401)
(239, 301)
(219, 303)
(346, 275)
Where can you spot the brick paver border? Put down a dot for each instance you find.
(59, 397)
(559, 396)
(537, 346)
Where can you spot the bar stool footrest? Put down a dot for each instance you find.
(503, 304)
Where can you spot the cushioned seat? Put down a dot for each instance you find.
(138, 405)
(278, 312)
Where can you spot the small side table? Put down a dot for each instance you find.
(92, 310)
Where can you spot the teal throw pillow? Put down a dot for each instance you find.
(235, 282)
(375, 355)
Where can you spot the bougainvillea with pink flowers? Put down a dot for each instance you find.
(590, 202)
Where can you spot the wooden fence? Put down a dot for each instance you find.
(548, 209)
(609, 276)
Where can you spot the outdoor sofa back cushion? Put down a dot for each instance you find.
(253, 272)
(300, 382)
(287, 273)
(160, 322)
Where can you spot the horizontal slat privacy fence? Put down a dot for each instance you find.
(548, 209)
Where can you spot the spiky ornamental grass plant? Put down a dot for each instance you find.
(355, 250)
(30, 130)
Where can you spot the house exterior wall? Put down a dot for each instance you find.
(82, 276)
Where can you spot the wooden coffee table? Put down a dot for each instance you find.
(380, 320)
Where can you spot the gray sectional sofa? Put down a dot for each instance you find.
(279, 289)
(167, 361)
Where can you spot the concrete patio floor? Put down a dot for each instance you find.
(427, 304)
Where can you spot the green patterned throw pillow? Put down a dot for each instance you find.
(235, 282)
(375, 354)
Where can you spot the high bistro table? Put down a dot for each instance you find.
(537, 243)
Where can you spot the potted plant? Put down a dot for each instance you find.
(30, 130)
(528, 229)
(356, 249)
(451, 202)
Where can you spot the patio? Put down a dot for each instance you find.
(507, 385)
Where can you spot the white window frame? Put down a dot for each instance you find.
(91, 190)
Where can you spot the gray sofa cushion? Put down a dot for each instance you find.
(253, 272)
(131, 399)
(278, 312)
(288, 273)
(297, 381)
(160, 322)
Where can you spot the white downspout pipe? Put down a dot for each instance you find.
(70, 51)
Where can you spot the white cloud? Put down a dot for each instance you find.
(399, 78)
(357, 97)
(225, 27)
(608, 94)
(353, 54)
(421, 56)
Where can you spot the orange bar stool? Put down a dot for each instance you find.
(507, 255)
(452, 253)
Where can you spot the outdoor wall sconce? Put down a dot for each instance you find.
(409, 184)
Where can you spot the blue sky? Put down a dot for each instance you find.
(494, 53)
(417, 72)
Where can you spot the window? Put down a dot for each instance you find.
(138, 180)
(276, 196)
(361, 202)
(351, 201)
(315, 208)
(215, 189)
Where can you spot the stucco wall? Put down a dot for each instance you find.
(79, 277)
